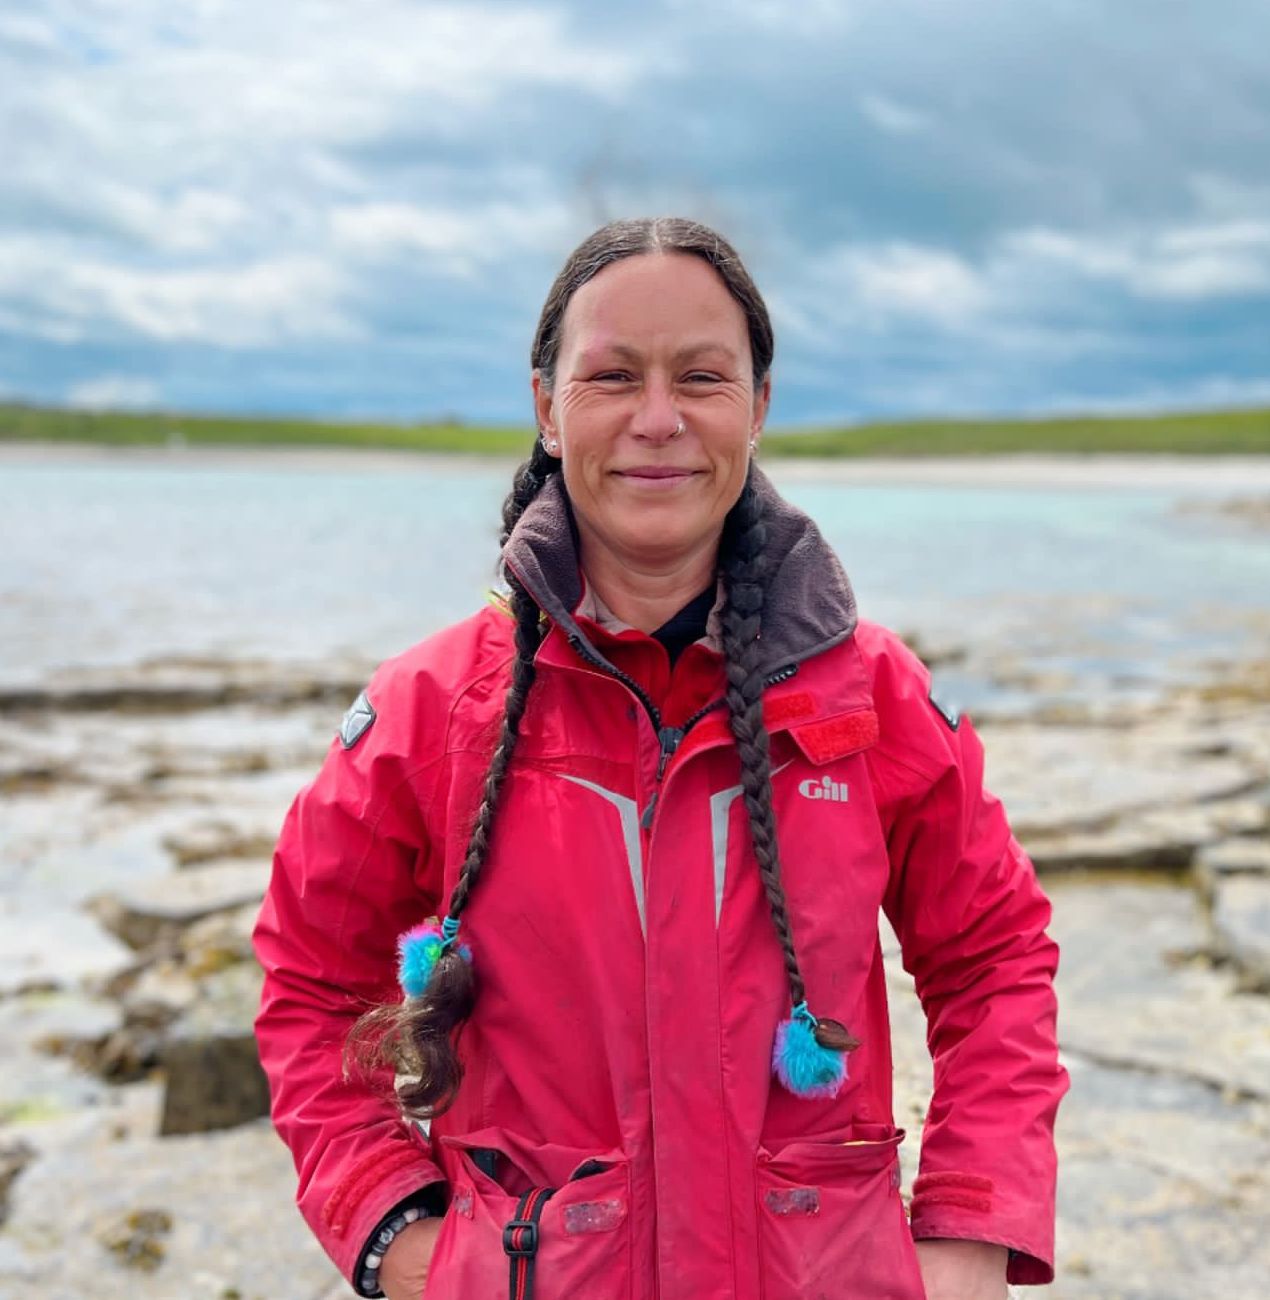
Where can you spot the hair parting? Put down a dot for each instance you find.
(621, 239)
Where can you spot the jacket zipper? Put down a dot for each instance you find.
(668, 738)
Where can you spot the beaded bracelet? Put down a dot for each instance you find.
(368, 1278)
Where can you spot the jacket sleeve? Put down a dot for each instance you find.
(971, 919)
(345, 884)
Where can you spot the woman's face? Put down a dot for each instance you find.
(649, 343)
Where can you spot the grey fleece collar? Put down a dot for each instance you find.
(810, 606)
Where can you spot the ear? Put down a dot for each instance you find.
(543, 404)
(762, 400)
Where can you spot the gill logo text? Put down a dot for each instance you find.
(825, 788)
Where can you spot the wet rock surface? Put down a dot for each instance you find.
(135, 838)
(1241, 920)
(149, 911)
(201, 1217)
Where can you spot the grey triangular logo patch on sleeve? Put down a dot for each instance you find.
(357, 721)
(950, 713)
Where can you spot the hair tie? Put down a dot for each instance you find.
(801, 1062)
(420, 948)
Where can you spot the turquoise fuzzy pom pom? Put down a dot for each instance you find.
(801, 1064)
(417, 953)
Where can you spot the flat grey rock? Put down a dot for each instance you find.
(56, 946)
(212, 838)
(142, 911)
(219, 940)
(1241, 921)
(1059, 778)
(211, 1067)
(1243, 855)
(1162, 1190)
(1136, 989)
(1164, 1180)
(219, 1192)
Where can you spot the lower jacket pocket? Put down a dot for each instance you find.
(582, 1244)
(831, 1222)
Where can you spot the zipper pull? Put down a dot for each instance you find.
(668, 738)
(646, 821)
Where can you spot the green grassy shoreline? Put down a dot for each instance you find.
(1207, 433)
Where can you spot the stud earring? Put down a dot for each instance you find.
(549, 444)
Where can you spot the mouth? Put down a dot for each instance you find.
(657, 473)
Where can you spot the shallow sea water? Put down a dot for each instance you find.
(112, 563)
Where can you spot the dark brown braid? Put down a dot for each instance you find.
(416, 1037)
(744, 565)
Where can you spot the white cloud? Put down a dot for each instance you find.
(880, 286)
(912, 280)
(30, 31)
(259, 303)
(200, 173)
(893, 117)
(1212, 392)
(408, 174)
(803, 18)
(112, 393)
(1222, 197)
(455, 240)
(1181, 263)
(1010, 296)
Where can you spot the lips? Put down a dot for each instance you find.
(655, 472)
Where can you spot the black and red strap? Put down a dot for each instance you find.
(520, 1240)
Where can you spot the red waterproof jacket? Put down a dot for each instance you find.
(630, 980)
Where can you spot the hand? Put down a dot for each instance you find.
(404, 1272)
(962, 1270)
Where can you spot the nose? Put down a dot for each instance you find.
(656, 418)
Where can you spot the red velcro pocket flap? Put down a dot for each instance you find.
(822, 742)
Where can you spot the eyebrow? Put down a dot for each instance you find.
(628, 353)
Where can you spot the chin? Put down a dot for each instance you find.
(648, 539)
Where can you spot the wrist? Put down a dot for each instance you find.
(428, 1202)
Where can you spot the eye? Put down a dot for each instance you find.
(611, 377)
(703, 377)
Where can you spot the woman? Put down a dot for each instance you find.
(655, 802)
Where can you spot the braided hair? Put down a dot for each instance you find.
(745, 568)
(416, 1036)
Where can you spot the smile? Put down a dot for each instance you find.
(656, 475)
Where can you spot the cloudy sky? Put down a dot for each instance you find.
(355, 207)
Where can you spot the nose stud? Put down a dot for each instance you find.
(680, 428)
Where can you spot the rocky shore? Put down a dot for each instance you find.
(138, 813)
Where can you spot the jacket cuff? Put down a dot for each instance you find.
(431, 1200)
(963, 1207)
(362, 1202)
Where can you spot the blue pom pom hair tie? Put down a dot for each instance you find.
(810, 1056)
(420, 948)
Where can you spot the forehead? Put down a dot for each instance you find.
(654, 297)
